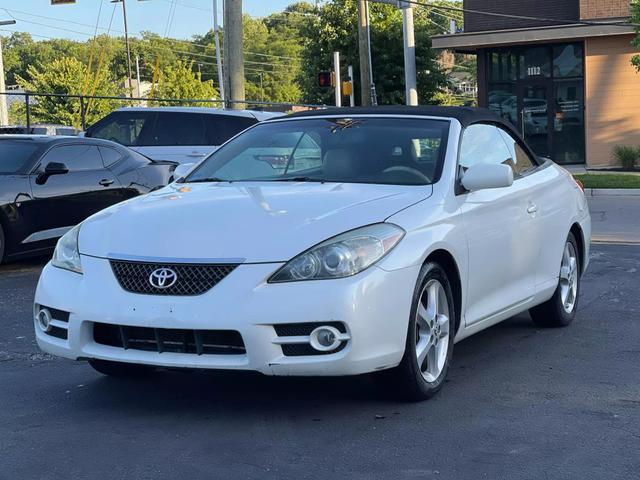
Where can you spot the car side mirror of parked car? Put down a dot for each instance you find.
(53, 168)
(486, 175)
(182, 170)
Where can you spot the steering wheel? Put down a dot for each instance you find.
(404, 169)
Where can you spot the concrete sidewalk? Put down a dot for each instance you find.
(615, 219)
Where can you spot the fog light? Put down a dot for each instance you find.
(44, 320)
(325, 339)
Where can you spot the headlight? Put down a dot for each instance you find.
(342, 256)
(66, 254)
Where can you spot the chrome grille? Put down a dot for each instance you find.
(192, 279)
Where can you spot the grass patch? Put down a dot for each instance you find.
(609, 180)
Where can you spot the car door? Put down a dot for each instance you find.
(502, 254)
(549, 202)
(64, 200)
(176, 136)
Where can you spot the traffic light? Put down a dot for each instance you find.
(347, 87)
(326, 79)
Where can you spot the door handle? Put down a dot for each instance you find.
(105, 182)
(533, 208)
(196, 154)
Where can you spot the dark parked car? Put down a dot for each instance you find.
(49, 184)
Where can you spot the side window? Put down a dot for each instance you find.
(483, 144)
(220, 128)
(75, 157)
(109, 156)
(522, 163)
(176, 129)
(125, 128)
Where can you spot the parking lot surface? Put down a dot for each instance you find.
(520, 403)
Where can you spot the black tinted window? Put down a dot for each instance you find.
(109, 156)
(125, 128)
(15, 157)
(75, 157)
(221, 128)
(178, 129)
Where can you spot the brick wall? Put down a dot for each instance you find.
(565, 11)
(596, 9)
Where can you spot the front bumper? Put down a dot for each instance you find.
(374, 306)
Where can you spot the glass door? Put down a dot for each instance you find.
(535, 116)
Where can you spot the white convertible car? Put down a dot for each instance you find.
(335, 242)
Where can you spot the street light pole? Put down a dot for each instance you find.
(216, 35)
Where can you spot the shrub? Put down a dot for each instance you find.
(626, 156)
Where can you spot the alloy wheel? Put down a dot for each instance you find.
(432, 330)
(569, 278)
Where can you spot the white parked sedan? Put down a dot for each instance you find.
(337, 242)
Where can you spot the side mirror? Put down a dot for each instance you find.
(53, 168)
(485, 175)
(56, 168)
(182, 170)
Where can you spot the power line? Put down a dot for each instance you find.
(517, 17)
(180, 52)
(139, 34)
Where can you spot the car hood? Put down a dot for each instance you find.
(248, 221)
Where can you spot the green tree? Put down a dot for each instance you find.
(635, 18)
(66, 75)
(178, 81)
(335, 29)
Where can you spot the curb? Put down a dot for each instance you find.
(612, 192)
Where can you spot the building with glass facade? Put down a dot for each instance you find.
(561, 73)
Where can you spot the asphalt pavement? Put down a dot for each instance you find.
(615, 219)
(520, 403)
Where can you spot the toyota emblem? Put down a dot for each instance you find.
(163, 278)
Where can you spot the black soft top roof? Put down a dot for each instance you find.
(465, 115)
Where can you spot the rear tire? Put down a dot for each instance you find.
(120, 370)
(429, 344)
(560, 310)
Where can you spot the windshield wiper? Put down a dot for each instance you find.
(207, 180)
(299, 179)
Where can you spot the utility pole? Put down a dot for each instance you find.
(367, 87)
(126, 41)
(216, 34)
(336, 69)
(233, 52)
(4, 113)
(411, 87)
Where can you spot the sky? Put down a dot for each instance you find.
(78, 21)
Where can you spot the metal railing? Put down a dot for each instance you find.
(27, 109)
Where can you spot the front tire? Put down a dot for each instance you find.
(560, 310)
(119, 369)
(429, 345)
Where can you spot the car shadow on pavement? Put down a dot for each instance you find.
(236, 393)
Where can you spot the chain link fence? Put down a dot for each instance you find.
(55, 113)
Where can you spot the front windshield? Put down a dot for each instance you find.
(400, 151)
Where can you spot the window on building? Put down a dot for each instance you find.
(567, 60)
